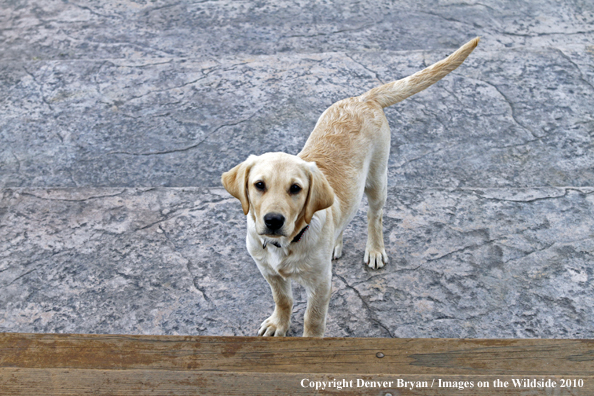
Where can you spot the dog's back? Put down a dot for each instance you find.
(351, 140)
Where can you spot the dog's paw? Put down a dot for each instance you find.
(375, 259)
(337, 252)
(273, 327)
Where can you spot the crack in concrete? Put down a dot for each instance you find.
(188, 263)
(155, 223)
(21, 276)
(530, 253)
(513, 109)
(372, 314)
(421, 157)
(451, 92)
(169, 61)
(546, 34)
(523, 200)
(158, 8)
(474, 246)
(18, 170)
(472, 5)
(72, 200)
(567, 58)
(447, 19)
(357, 29)
(93, 12)
(173, 214)
(189, 147)
(527, 142)
(36, 264)
(580, 190)
(87, 41)
(170, 89)
(366, 68)
(41, 92)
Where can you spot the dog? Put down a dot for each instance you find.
(298, 206)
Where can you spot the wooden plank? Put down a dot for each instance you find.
(57, 364)
(61, 382)
(327, 355)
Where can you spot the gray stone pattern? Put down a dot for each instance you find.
(118, 118)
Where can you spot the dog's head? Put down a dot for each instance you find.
(280, 191)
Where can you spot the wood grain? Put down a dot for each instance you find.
(58, 364)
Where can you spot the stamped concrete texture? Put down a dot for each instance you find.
(117, 120)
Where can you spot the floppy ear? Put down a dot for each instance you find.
(235, 181)
(320, 195)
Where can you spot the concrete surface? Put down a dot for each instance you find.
(117, 119)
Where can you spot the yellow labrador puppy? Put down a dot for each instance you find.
(297, 207)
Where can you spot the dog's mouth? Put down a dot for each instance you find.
(272, 234)
(267, 232)
(274, 240)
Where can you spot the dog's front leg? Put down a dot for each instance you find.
(318, 298)
(279, 322)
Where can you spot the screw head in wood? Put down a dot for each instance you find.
(379, 355)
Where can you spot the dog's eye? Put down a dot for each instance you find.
(294, 189)
(260, 185)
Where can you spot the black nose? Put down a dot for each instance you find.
(274, 221)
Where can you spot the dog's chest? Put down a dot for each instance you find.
(284, 262)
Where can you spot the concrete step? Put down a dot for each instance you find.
(465, 262)
(90, 29)
(134, 94)
(117, 120)
(505, 118)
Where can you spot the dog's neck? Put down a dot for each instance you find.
(295, 240)
(298, 236)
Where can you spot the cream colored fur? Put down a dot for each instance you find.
(345, 156)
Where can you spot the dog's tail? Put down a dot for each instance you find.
(396, 91)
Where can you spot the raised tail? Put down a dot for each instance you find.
(396, 91)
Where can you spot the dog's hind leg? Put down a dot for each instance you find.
(376, 189)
